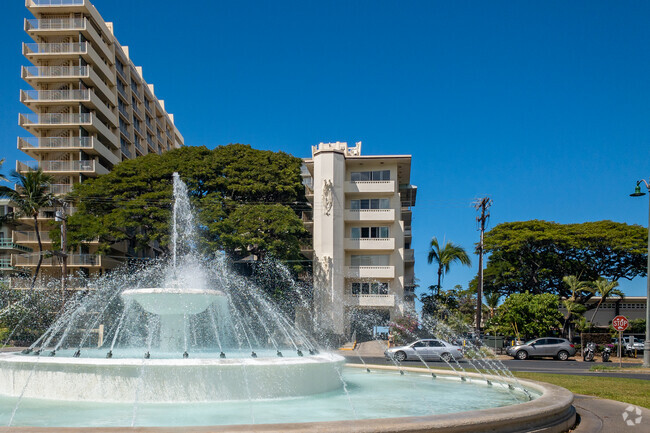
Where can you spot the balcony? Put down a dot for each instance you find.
(54, 143)
(55, 72)
(74, 260)
(138, 147)
(383, 187)
(53, 96)
(65, 120)
(5, 265)
(370, 271)
(24, 237)
(50, 3)
(370, 244)
(56, 48)
(409, 256)
(12, 246)
(89, 166)
(55, 25)
(370, 300)
(59, 188)
(370, 215)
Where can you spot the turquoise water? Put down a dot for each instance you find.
(371, 395)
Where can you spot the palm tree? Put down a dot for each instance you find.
(492, 302)
(2, 178)
(570, 304)
(30, 196)
(605, 289)
(445, 257)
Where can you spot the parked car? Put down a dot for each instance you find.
(427, 349)
(631, 344)
(559, 348)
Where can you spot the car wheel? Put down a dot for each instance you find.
(445, 357)
(522, 355)
(563, 355)
(400, 356)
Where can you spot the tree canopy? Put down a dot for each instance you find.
(535, 255)
(526, 315)
(246, 200)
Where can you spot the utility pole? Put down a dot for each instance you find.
(483, 205)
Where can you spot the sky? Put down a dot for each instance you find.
(542, 106)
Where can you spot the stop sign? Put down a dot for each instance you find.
(620, 323)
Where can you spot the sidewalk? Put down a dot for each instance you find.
(602, 415)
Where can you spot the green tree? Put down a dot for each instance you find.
(2, 177)
(537, 255)
(491, 303)
(444, 257)
(246, 200)
(30, 196)
(527, 315)
(605, 289)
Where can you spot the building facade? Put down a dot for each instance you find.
(89, 108)
(361, 224)
(632, 307)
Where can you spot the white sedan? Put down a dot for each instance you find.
(427, 349)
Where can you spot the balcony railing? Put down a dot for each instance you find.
(73, 260)
(126, 151)
(409, 255)
(363, 300)
(369, 243)
(57, 166)
(29, 237)
(56, 24)
(56, 48)
(29, 3)
(5, 264)
(9, 245)
(370, 186)
(54, 71)
(370, 271)
(55, 95)
(370, 214)
(54, 118)
(59, 188)
(55, 142)
(122, 109)
(137, 146)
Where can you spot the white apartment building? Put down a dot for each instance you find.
(89, 109)
(361, 225)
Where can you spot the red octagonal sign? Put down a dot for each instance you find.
(620, 323)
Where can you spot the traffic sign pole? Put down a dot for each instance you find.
(620, 323)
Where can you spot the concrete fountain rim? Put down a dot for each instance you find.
(171, 291)
(44, 359)
(551, 412)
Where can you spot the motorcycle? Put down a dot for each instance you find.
(589, 352)
(607, 352)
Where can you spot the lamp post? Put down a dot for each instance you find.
(646, 345)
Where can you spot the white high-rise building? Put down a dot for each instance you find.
(361, 224)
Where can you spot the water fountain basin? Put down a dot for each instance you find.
(173, 300)
(167, 380)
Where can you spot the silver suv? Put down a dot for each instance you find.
(556, 347)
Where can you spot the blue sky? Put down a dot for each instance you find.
(543, 106)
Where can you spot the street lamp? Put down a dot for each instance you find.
(646, 346)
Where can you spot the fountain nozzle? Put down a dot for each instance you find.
(38, 352)
(26, 351)
(253, 355)
(77, 354)
(311, 352)
(222, 355)
(109, 354)
(147, 355)
(279, 354)
(185, 355)
(299, 352)
(52, 353)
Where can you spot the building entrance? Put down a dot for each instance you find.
(363, 321)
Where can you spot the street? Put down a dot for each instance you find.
(531, 365)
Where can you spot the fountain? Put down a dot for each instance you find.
(188, 330)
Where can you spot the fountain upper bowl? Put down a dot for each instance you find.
(173, 300)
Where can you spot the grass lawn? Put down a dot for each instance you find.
(633, 391)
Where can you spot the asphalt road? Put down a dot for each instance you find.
(530, 365)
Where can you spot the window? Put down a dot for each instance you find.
(370, 260)
(374, 203)
(364, 176)
(369, 232)
(371, 288)
(435, 343)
